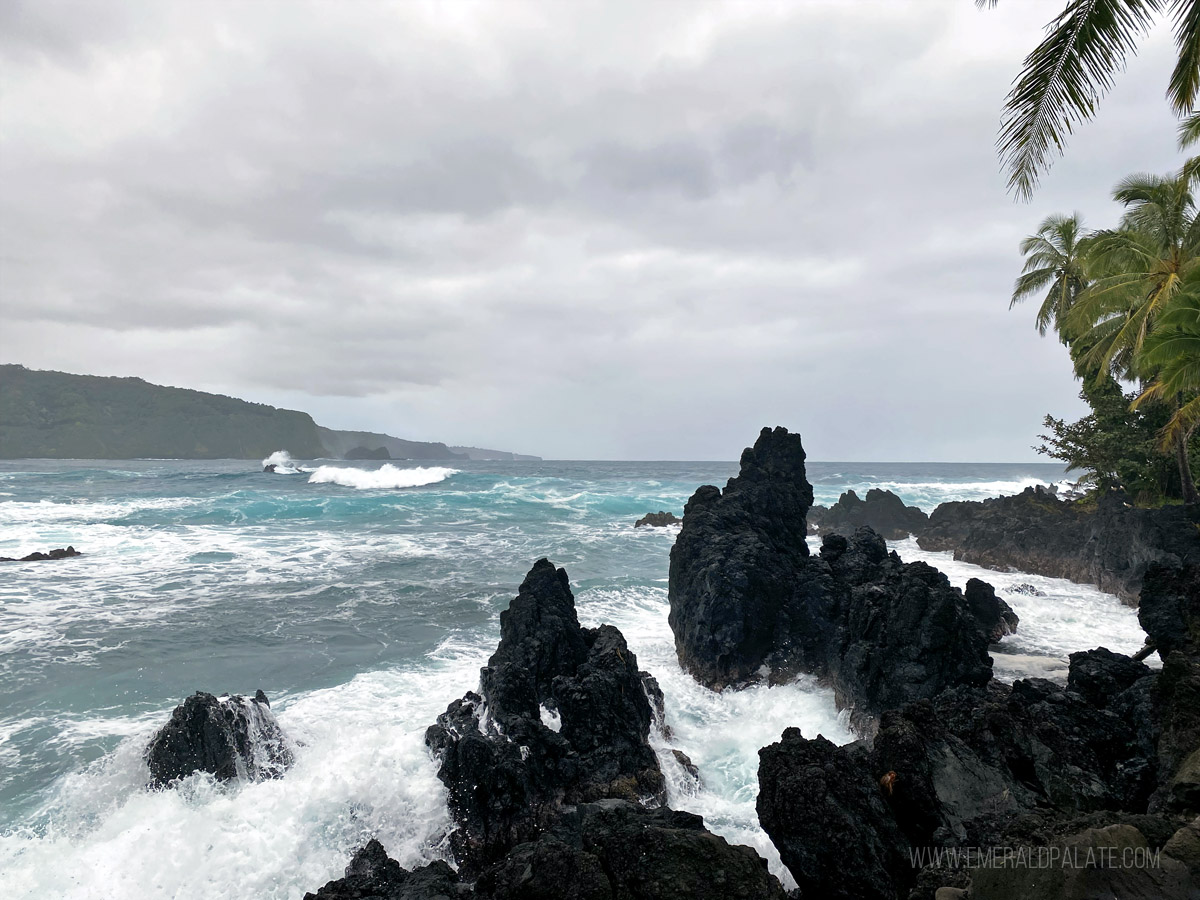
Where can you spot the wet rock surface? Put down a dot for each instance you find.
(373, 875)
(57, 553)
(227, 737)
(1106, 543)
(747, 597)
(508, 772)
(658, 519)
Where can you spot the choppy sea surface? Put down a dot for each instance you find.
(363, 598)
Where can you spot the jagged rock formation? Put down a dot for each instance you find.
(1170, 614)
(58, 553)
(1111, 756)
(373, 875)
(746, 595)
(1109, 544)
(659, 519)
(595, 851)
(881, 511)
(614, 848)
(228, 737)
(563, 718)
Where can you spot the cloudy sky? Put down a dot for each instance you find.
(588, 230)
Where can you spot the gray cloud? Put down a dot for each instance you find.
(587, 230)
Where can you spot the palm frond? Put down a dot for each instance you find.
(1185, 80)
(1189, 131)
(1062, 80)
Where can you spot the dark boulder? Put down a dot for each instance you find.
(616, 849)
(1026, 590)
(373, 875)
(1109, 544)
(992, 614)
(564, 718)
(1169, 611)
(364, 453)
(881, 511)
(227, 737)
(747, 598)
(58, 553)
(826, 813)
(658, 519)
(1101, 675)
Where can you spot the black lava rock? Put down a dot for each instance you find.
(881, 511)
(373, 875)
(58, 553)
(1109, 544)
(228, 737)
(564, 718)
(747, 597)
(658, 519)
(616, 849)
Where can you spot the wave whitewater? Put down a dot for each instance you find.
(386, 477)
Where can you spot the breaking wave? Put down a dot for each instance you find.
(386, 477)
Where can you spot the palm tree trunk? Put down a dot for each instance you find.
(1185, 470)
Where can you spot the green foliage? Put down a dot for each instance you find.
(1115, 446)
(54, 414)
(1065, 76)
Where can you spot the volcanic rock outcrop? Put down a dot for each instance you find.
(227, 737)
(594, 851)
(1111, 758)
(58, 553)
(881, 511)
(1109, 544)
(747, 597)
(658, 519)
(562, 718)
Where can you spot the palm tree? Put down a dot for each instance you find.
(1054, 262)
(1141, 270)
(1065, 76)
(1173, 349)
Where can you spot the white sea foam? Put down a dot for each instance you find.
(105, 836)
(385, 477)
(284, 464)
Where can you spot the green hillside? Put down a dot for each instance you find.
(54, 414)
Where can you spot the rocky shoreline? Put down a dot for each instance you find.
(556, 791)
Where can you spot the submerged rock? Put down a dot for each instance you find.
(658, 519)
(1109, 544)
(748, 599)
(59, 553)
(563, 718)
(227, 737)
(881, 511)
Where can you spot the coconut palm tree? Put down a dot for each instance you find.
(1173, 350)
(1054, 262)
(1142, 271)
(1065, 76)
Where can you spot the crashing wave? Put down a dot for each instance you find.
(385, 477)
(281, 463)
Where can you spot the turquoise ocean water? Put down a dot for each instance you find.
(362, 598)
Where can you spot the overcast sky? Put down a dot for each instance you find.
(580, 230)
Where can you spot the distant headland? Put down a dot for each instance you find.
(57, 415)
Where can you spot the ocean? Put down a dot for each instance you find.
(363, 598)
